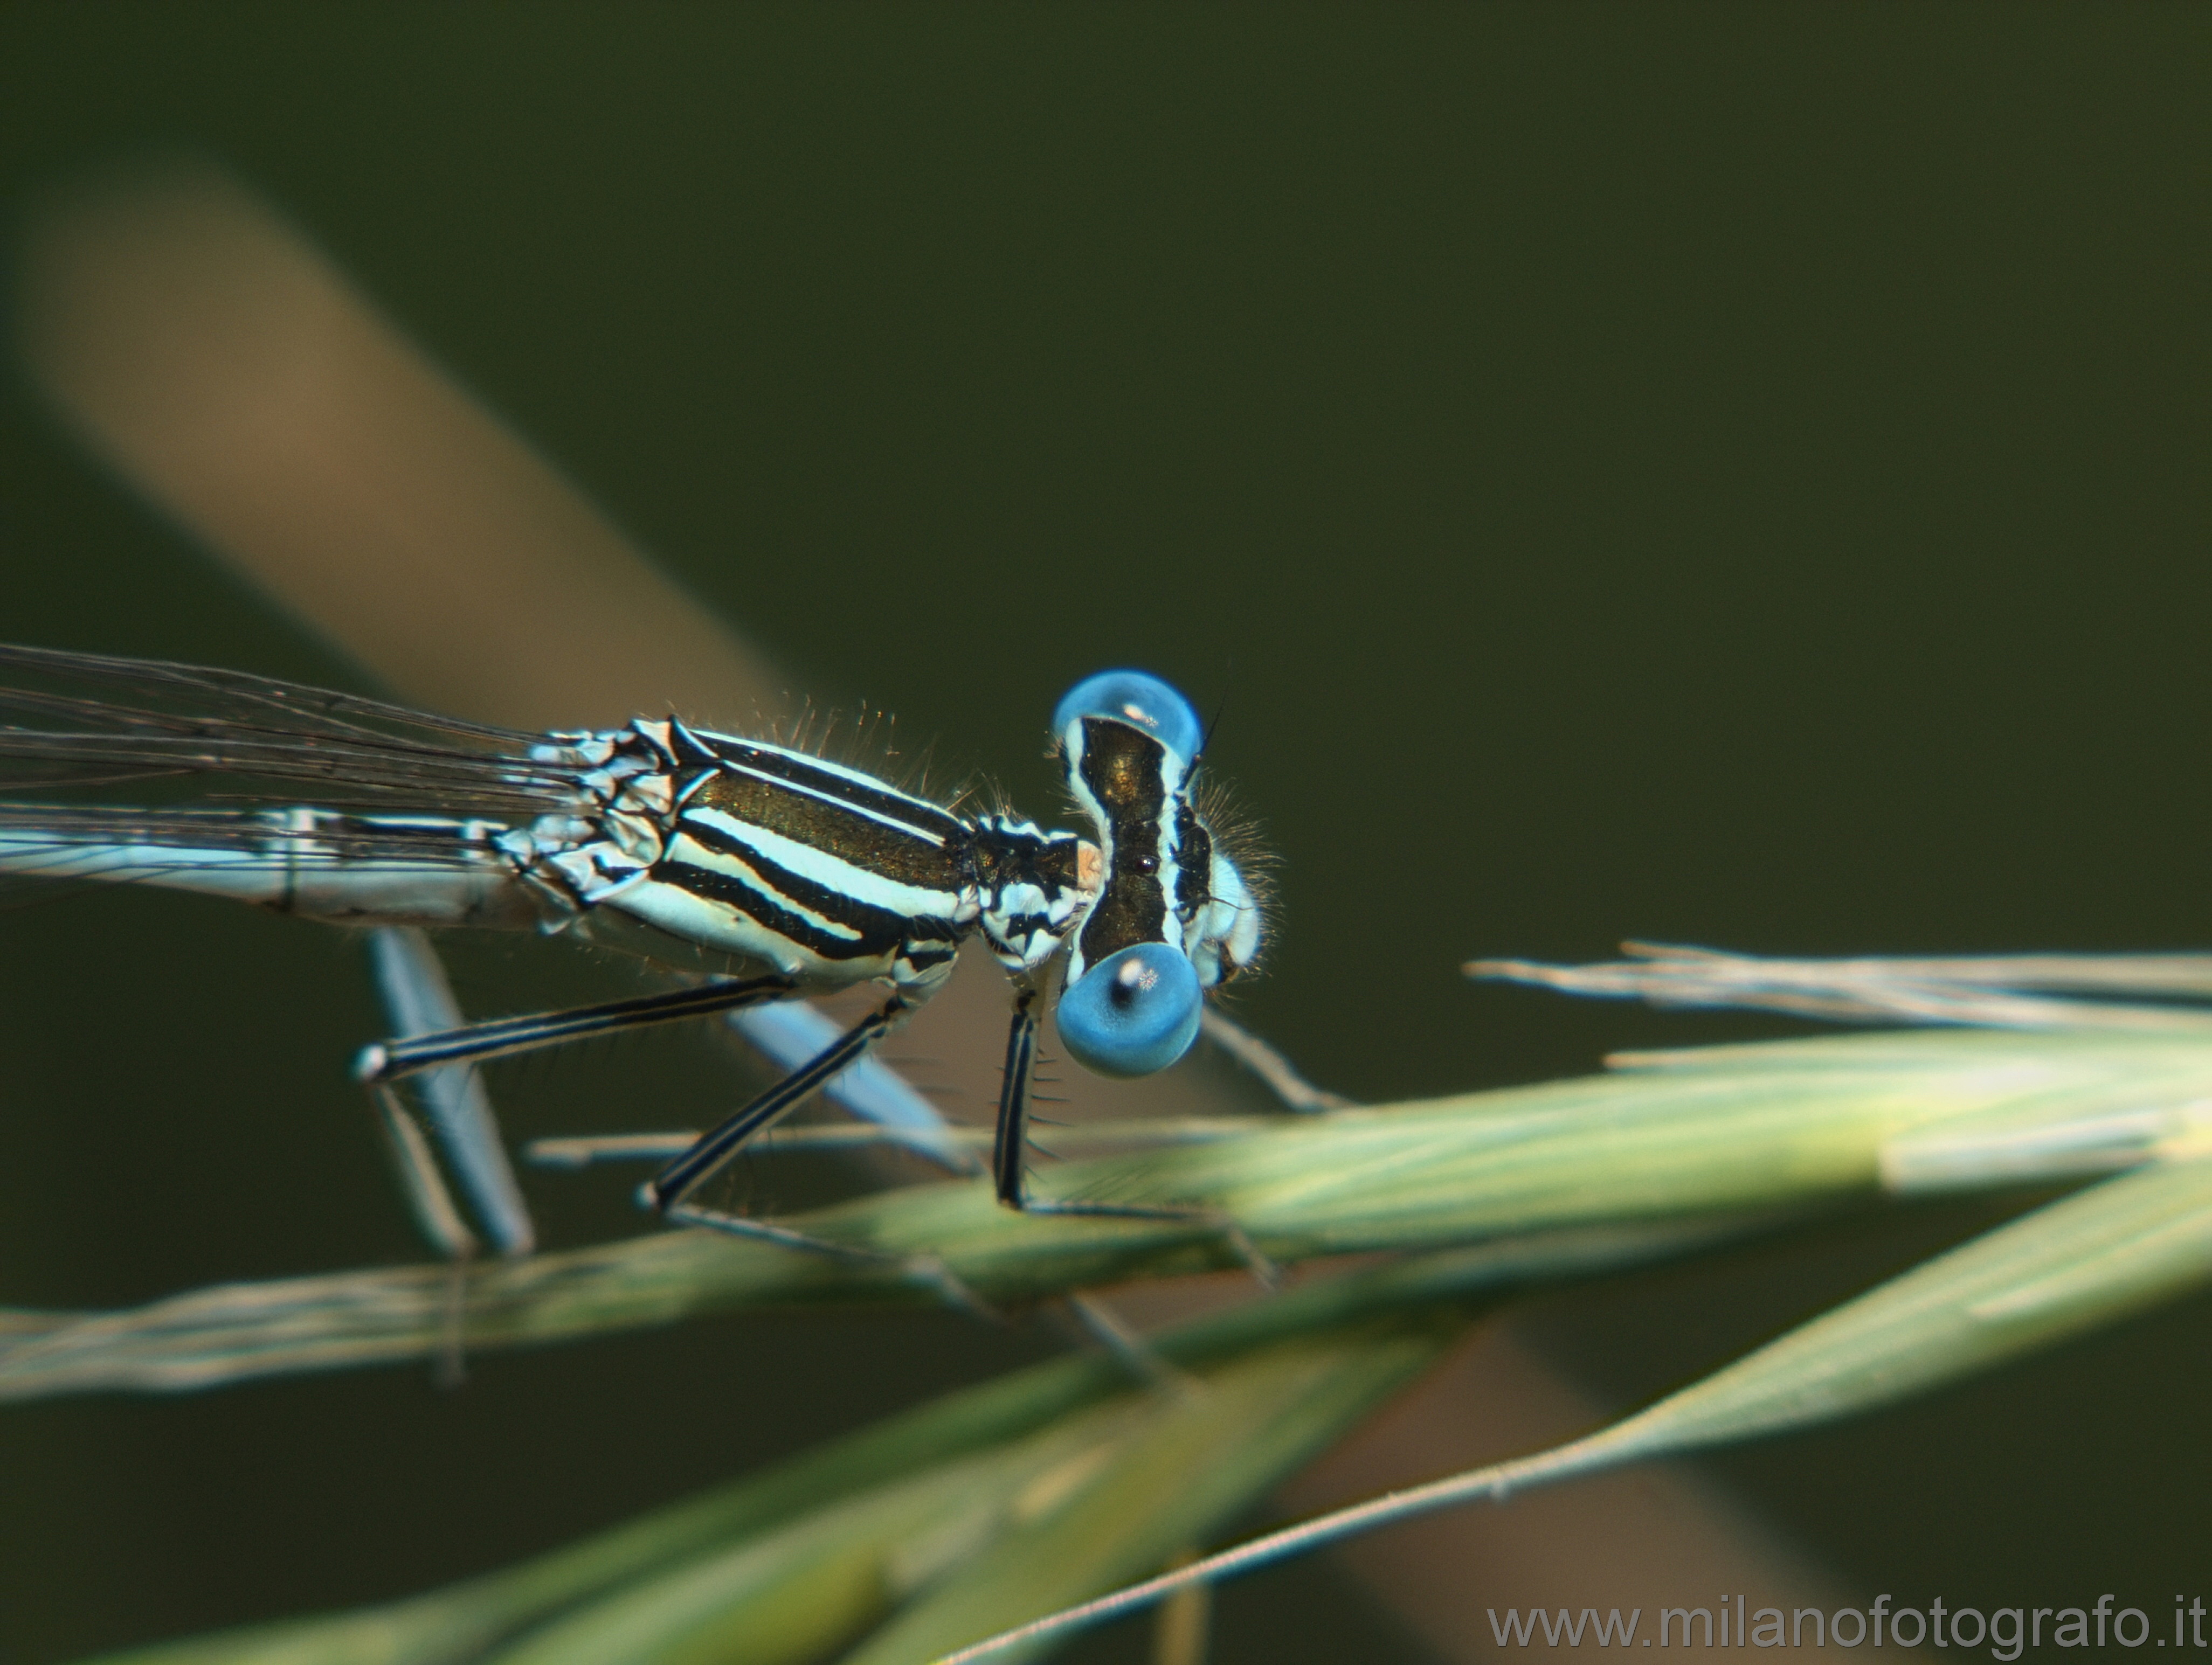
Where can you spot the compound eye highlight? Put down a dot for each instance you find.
(1133, 1012)
(1139, 700)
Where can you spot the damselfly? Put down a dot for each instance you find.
(654, 837)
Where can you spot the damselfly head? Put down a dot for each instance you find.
(1174, 916)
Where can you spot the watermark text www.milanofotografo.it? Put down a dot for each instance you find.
(2007, 1633)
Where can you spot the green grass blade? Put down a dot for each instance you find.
(1702, 1135)
(1194, 1463)
(2084, 1261)
(790, 1550)
(2010, 991)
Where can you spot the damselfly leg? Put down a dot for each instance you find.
(456, 1112)
(668, 1192)
(389, 1061)
(671, 1192)
(1010, 1166)
(436, 1055)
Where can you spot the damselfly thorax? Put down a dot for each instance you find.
(817, 874)
(818, 870)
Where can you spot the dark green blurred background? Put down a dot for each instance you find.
(1728, 474)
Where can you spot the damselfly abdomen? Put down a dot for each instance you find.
(816, 875)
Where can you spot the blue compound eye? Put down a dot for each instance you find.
(1132, 1013)
(1143, 701)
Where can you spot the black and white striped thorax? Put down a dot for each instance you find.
(824, 872)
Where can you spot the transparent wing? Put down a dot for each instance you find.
(305, 799)
(76, 720)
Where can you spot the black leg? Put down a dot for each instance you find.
(1012, 1145)
(390, 1060)
(684, 1175)
(668, 1192)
